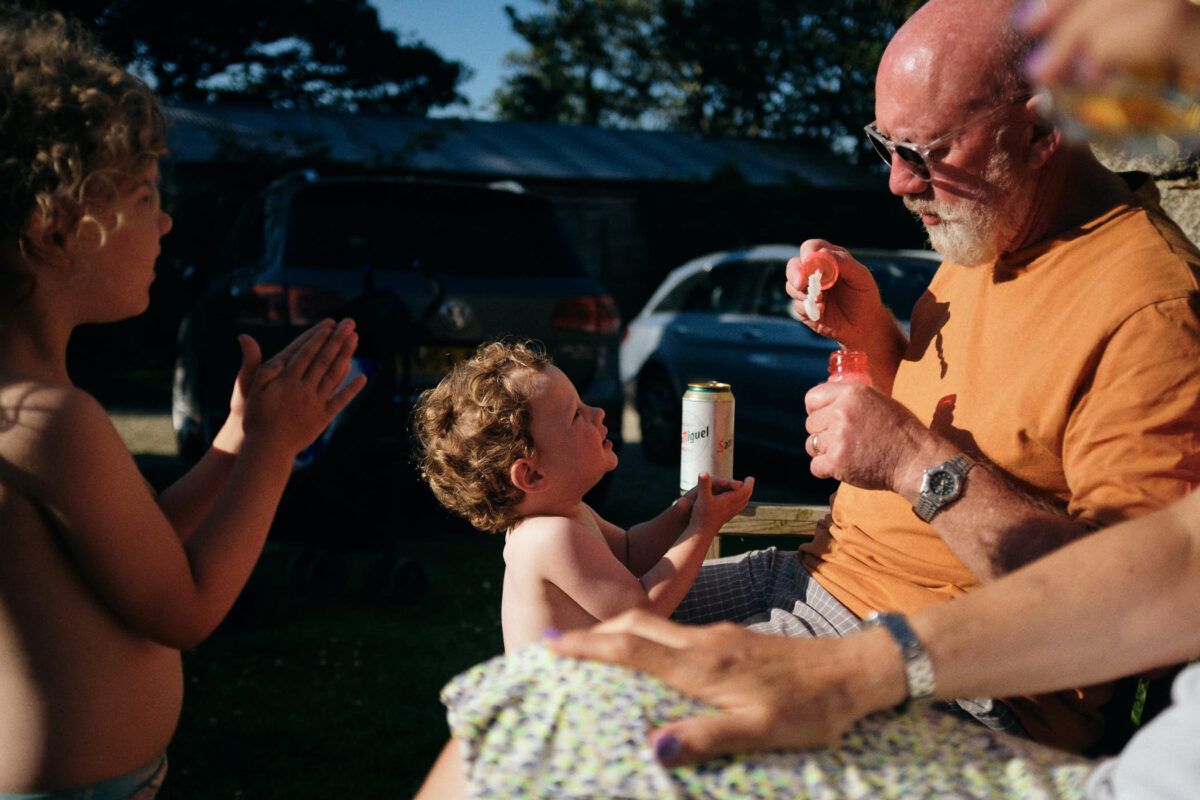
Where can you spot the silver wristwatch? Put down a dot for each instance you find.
(942, 485)
(918, 669)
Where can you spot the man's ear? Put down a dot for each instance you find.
(525, 476)
(1045, 139)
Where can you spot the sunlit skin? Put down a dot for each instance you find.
(920, 94)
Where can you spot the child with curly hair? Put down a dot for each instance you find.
(507, 443)
(103, 583)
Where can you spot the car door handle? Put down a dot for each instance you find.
(752, 333)
(680, 330)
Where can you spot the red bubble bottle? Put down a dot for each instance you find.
(849, 366)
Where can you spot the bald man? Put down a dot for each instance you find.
(1049, 385)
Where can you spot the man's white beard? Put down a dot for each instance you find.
(979, 229)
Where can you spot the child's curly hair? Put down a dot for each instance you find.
(473, 426)
(74, 126)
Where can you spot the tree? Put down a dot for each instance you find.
(589, 61)
(290, 54)
(784, 69)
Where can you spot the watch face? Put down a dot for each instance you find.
(943, 483)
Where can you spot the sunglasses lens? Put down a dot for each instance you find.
(914, 161)
(885, 147)
(880, 147)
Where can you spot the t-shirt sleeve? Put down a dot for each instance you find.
(1130, 446)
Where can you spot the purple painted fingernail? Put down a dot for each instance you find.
(1025, 13)
(1035, 62)
(667, 747)
(551, 633)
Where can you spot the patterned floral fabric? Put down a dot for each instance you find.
(532, 725)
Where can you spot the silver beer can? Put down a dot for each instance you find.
(706, 443)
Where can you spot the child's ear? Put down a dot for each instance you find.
(44, 241)
(525, 476)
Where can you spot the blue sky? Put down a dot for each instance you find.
(474, 32)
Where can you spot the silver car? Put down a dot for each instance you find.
(726, 316)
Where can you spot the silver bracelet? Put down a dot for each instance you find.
(918, 669)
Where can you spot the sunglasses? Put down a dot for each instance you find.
(916, 156)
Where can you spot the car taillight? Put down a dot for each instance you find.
(592, 314)
(277, 304)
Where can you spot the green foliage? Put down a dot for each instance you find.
(785, 69)
(291, 54)
(589, 61)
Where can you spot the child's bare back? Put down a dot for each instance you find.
(540, 556)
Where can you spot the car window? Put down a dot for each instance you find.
(726, 288)
(774, 300)
(901, 280)
(400, 226)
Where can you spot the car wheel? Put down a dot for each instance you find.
(659, 408)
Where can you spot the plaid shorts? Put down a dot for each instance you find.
(768, 591)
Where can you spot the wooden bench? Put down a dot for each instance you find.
(770, 519)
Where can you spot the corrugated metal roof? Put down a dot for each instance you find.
(208, 133)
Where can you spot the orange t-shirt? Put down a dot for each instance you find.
(1073, 365)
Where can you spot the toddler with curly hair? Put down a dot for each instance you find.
(507, 443)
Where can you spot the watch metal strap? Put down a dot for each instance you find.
(927, 505)
(918, 669)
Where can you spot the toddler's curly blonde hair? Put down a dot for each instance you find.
(473, 426)
(74, 128)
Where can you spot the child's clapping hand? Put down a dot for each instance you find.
(293, 396)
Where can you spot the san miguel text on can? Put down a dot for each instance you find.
(706, 443)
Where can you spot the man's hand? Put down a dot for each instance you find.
(847, 304)
(772, 692)
(866, 438)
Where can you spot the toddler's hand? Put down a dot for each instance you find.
(292, 397)
(716, 505)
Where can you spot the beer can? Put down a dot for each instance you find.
(706, 442)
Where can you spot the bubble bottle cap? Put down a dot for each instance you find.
(819, 260)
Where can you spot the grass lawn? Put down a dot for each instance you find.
(303, 696)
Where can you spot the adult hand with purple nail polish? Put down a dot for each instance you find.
(772, 692)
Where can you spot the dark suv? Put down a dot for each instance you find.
(427, 269)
